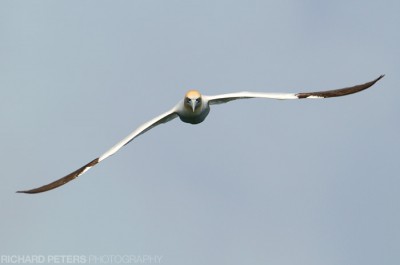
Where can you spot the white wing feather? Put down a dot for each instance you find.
(219, 99)
(163, 118)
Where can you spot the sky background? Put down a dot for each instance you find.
(259, 182)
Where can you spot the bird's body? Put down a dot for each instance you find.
(193, 109)
(194, 117)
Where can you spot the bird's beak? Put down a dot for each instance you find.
(193, 103)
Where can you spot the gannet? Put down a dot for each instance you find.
(194, 108)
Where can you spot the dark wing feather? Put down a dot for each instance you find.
(339, 92)
(62, 181)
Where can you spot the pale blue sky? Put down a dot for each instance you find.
(259, 182)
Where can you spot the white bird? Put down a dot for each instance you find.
(194, 108)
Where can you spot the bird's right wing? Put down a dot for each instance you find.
(163, 118)
(219, 99)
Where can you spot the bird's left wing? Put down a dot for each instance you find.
(163, 118)
(219, 99)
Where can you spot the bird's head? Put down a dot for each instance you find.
(193, 100)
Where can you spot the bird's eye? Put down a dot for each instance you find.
(197, 100)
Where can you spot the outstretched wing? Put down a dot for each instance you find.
(219, 99)
(163, 118)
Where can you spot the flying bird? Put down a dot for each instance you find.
(194, 108)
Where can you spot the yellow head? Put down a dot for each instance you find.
(193, 100)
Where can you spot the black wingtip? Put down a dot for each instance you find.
(62, 181)
(376, 80)
(25, 191)
(33, 191)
